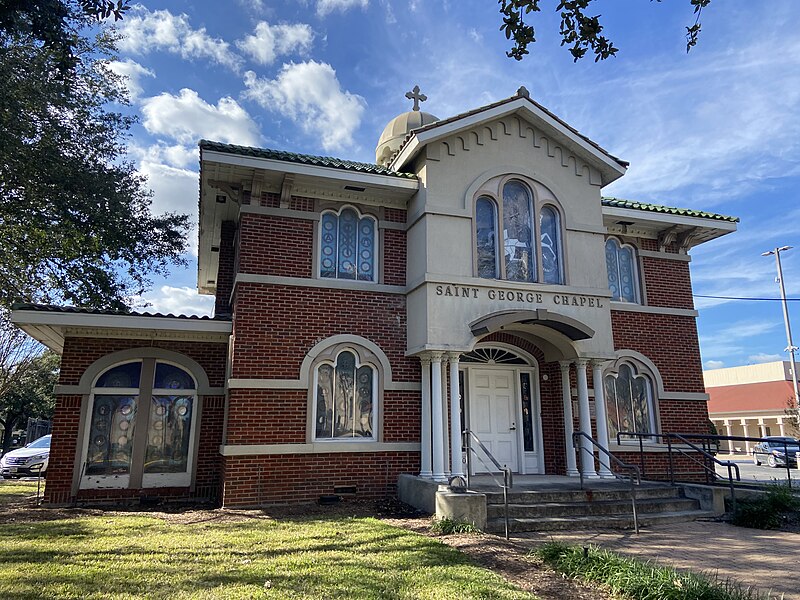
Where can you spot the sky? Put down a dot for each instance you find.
(716, 129)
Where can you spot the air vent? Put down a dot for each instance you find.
(344, 489)
(221, 198)
(211, 281)
(354, 188)
(215, 248)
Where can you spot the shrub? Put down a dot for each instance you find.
(639, 579)
(767, 511)
(447, 526)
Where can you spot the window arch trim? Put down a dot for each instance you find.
(320, 245)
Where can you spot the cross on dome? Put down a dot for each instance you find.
(416, 97)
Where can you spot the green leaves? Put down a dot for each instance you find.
(75, 221)
(578, 30)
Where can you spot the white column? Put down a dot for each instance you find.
(781, 426)
(587, 453)
(566, 395)
(425, 432)
(445, 421)
(727, 425)
(601, 422)
(456, 455)
(747, 445)
(436, 416)
(761, 428)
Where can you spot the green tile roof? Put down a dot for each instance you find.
(305, 159)
(685, 212)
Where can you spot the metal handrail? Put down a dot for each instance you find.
(633, 468)
(508, 479)
(730, 465)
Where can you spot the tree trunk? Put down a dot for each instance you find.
(8, 427)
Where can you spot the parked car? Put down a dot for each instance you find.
(29, 461)
(772, 450)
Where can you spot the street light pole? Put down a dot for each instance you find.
(791, 347)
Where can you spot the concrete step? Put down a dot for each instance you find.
(597, 508)
(539, 497)
(594, 522)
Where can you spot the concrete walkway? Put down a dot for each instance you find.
(768, 560)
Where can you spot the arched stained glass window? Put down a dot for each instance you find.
(486, 237)
(345, 399)
(550, 234)
(122, 402)
(347, 246)
(623, 275)
(629, 401)
(519, 255)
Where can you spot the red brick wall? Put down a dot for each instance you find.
(670, 341)
(278, 246)
(79, 354)
(290, 478)
(667, 282)
(275, 326)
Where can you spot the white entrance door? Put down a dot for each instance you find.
(493, 417)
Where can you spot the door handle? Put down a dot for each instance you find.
(512, 428)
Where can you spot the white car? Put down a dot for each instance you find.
(30, 461)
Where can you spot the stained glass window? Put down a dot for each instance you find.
(345, 398)
(486, 237)
(164, 409)
(527, 412)
(347, 246)
(550, 234)
(111, 434)
(168, 434)
(623, 280)
(520, 260)
(629, 402)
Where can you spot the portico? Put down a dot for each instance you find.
(495, 390)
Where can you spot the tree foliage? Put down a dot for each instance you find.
(75, 221)
(28, 373)
(579, 31)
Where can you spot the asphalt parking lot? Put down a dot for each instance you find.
(752, 473)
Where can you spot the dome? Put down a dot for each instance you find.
(396, 131)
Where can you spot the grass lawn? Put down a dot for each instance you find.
(126, 555)
(13, 491)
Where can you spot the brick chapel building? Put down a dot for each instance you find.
(474, 277)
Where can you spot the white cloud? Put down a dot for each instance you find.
(132, 72)
(325, 7)
(310, 94)
(178, 301)
(174, 190)
(187, 118)
(270, 41)
(173, 155)
(728, 341)
(475, 36)
(713, 364)
(763, 357)
(144, 31)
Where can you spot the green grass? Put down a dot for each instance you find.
(447, 526)
(639, 579)
(16, 491)
(120, 556)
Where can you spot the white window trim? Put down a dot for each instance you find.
(376, 251)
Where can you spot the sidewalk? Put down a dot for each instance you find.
(769, 560)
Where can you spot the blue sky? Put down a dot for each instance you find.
(717, 129)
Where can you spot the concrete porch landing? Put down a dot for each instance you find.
(553, 502)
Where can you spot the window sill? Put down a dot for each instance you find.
(320, 447)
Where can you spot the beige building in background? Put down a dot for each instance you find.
(750, 401)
